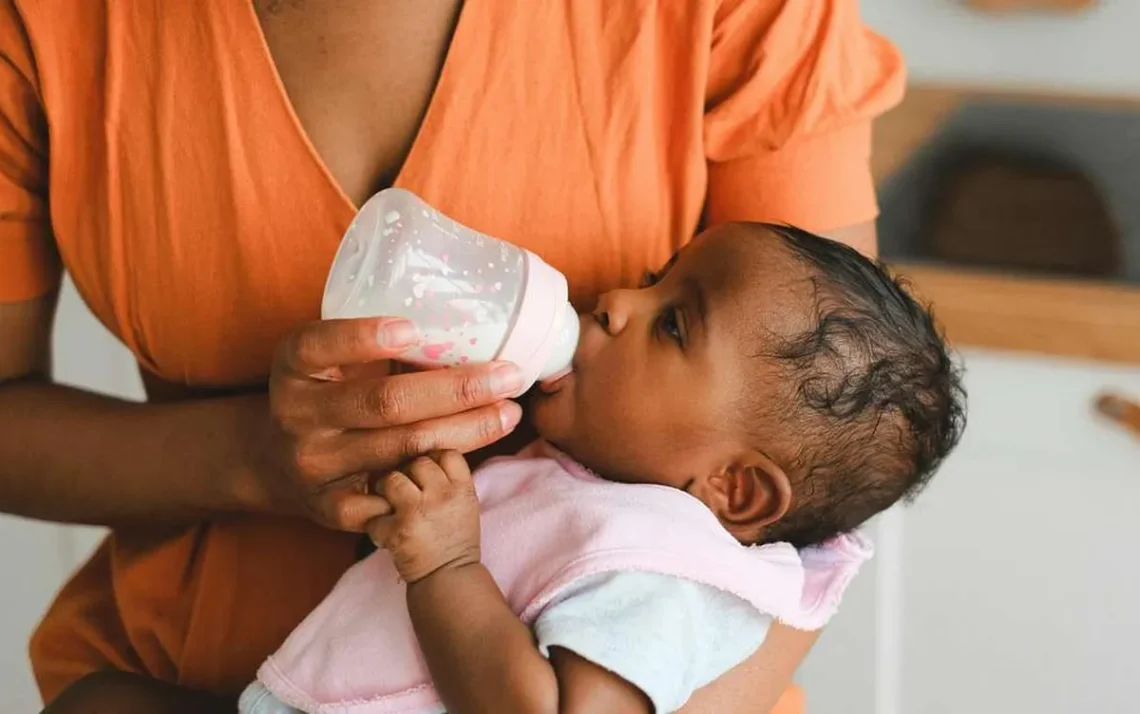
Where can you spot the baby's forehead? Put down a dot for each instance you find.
(739, 251)
(753, 281)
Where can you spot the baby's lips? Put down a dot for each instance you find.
(555, 384)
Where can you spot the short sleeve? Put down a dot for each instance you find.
(792, 90)
(29, 263)
(665, 635)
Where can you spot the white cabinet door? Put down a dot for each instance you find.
(1012, 585)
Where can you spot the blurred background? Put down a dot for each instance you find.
(1010, 189)
(1010, 186)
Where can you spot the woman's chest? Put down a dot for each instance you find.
(202, 180)
(359, 75)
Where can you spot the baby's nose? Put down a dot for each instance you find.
(612, 312)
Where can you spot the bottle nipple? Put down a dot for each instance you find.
(561, 360)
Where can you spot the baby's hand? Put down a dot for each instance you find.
(435, 519)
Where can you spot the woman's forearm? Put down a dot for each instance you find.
(757, 683)
(124, 693)
(72, 456)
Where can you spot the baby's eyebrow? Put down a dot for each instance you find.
(657, 275)
(696, 292)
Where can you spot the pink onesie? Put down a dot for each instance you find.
(546, 523)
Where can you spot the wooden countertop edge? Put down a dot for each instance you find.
(1074, 318)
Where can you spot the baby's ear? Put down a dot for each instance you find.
(748, 495)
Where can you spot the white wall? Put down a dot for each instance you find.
(944, 41)
(37, 557)
(85, 354)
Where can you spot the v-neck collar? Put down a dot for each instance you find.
(433, 114)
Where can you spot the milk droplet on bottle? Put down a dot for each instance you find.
(474, 298)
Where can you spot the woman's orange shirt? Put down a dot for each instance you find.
(149, 148)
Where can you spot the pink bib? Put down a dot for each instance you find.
(546, 522)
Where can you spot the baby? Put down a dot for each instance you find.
(768, 391)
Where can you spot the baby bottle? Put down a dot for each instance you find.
(474, 298)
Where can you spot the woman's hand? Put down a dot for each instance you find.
(335, 416)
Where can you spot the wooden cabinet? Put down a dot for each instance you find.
(991, 308)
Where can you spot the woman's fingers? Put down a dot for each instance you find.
(319, 347)
(333, 419)
(350, 510)
(385, 449)
(409, 398)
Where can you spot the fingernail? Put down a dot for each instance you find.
(506, 380)
(395, 335)
(510, 414)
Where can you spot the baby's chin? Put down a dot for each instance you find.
(552, 414)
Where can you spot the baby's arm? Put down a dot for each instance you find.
(482, 658)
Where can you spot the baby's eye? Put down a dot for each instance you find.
(669, 324)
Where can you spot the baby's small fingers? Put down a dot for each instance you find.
(427, 474)
(400, 491)
(455, 466)
(380, 530)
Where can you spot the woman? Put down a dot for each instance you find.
(193, 165)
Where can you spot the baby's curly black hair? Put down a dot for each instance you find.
(878, 401)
